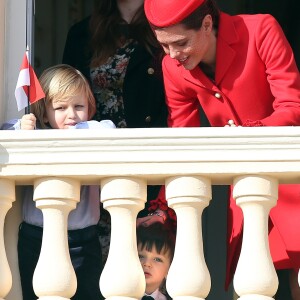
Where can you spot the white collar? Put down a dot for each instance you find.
(154, 294)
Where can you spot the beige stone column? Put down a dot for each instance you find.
(255, 277)
(123, 276)
(188, 277)
(54, 277)
(7, 196)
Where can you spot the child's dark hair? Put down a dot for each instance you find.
(159, 235)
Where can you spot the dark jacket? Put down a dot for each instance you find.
(143, 90)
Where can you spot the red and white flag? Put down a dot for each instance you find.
(28, 89)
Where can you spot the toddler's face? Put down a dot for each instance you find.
(68, 112)
(155, 265)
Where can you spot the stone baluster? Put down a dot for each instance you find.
(7, 197)
(255, 276)
(123, 277)
(188, 277)
(54, 276)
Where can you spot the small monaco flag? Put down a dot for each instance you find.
(28, 89)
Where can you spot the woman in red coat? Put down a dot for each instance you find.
(240, 70)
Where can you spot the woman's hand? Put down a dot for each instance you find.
(231, 123)
(28, 122)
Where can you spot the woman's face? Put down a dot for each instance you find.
(189, 46)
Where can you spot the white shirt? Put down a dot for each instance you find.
(87, 211)
(157, 295)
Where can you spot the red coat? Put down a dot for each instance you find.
(257, 83)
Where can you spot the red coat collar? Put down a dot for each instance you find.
(227, 35)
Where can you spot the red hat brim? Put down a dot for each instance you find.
(164, 13)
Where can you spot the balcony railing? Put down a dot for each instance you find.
(123, 161)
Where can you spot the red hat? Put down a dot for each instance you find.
(164, 13)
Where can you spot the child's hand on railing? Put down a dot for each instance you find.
(28, 122)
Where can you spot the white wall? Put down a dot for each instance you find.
(12, 49)
(2, 53)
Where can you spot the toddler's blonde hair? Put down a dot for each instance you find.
(61, 82)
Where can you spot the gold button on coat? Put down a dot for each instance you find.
(148, 119)
(150, 71)
(218, 95)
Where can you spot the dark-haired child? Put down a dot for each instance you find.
(156, 244)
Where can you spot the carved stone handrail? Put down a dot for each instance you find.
(123, 161)
(221, 153)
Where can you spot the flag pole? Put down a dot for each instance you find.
(28, 89)
(29, 39)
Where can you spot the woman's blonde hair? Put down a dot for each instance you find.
(61, 82)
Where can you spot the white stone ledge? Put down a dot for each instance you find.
(220, 153)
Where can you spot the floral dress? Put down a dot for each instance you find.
(107, 85)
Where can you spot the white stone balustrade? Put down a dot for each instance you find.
(56, 197)
(7, 196)
(188, 160)
(255, 276)
(123, 275)
(188, 277)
